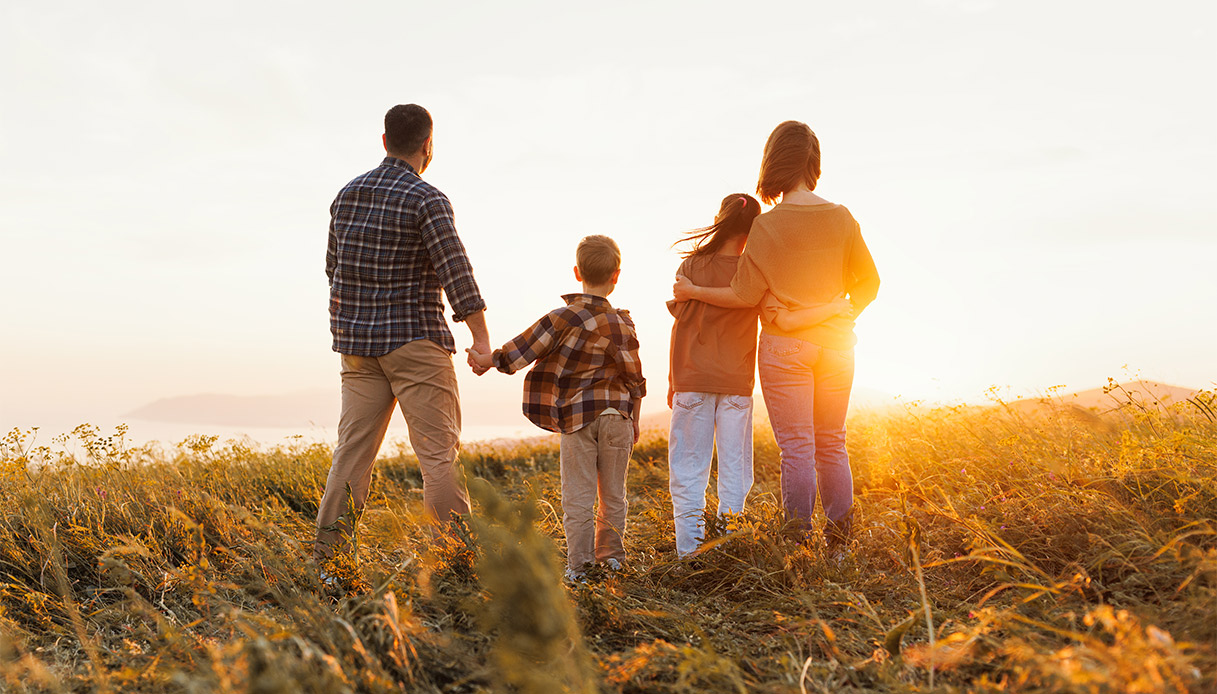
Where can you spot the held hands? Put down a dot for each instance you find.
(479, 358)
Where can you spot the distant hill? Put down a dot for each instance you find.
(1145, 393)
(306, 409)
(319, 407)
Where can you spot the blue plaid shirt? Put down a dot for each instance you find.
(392, 246)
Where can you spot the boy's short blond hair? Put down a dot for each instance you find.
(598, 257)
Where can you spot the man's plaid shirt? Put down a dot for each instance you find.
(587, 361)
(392, 246)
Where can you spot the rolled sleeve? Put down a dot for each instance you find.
(438, 229)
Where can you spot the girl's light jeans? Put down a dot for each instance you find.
(806, 390)
(697, 420)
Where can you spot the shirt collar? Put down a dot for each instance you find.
(587, 300)
(399, 163)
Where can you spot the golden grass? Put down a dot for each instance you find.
(1046, 551)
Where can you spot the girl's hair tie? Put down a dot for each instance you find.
(744, 201)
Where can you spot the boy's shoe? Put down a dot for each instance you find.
(612, 564)
(573, 577)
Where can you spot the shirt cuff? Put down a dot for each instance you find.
(463, 312)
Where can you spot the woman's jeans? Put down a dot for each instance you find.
(806, 390)
(698, 419)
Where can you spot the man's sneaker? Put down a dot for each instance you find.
(611, 564)
(573, 577)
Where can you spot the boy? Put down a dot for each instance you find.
(588, 386)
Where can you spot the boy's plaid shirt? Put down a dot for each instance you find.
(587, 361)
(392, 246)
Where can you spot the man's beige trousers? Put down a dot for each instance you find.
(419, 375)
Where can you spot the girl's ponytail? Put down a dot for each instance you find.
(734, 219)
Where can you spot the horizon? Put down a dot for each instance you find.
(1036, 194)
(312, 416)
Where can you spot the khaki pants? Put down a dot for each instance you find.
(593, 463)
(420, 377)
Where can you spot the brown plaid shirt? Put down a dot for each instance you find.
(587, 361)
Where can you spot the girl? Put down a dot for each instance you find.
(803, 251)
(711, 379)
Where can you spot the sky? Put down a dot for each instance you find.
(1034, 179)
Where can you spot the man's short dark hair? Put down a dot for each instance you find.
(407, 127)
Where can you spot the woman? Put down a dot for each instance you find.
(804, 252)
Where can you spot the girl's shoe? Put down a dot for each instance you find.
(611, 564)
(837, 534)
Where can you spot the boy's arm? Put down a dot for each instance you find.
(637, 405)
(630, 365)
(527, 347)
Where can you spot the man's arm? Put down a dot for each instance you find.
(479, 352)
(437, 227)
(476, 322)
(331, 246)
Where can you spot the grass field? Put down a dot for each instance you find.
(997, 549)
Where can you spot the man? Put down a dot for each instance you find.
(392, 246)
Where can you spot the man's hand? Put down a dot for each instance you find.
(479, 358)
(683, 288)
(637, 429)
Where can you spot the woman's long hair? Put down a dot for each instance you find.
(734, 219)
(792, 156)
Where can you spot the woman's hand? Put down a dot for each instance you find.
(788, 320)
(684, 288)
(842, 306)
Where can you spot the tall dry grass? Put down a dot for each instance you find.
(997, 549)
